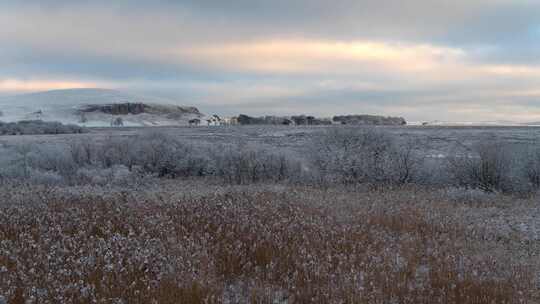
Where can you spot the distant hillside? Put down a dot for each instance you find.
(95, 107)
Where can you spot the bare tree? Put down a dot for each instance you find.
(117, 122)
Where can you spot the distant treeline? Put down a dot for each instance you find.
(29, 127)
(369, 120)
(280, 120)
(312, 120)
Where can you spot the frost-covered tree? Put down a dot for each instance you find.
(364, 155)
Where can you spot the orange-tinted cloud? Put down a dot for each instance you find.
(308, 56)
(17, 85)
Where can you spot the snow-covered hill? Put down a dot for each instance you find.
(89, 107)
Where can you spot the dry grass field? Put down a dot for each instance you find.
(202, 242)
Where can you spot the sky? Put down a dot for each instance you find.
(458, 60)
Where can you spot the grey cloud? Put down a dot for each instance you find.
(129, 43)
(21, 62)
(459, 21)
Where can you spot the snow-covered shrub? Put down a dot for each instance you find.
(243, 165)
(11, 167)
(47, 178)
(83, 152)
(489, 166)
(12, 172)
(531, 165)
(52, 158)
(26, 127)
(364, 155)
(161, 154)
(115, 151)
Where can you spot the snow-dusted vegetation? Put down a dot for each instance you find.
(255, 245)
(312, 215)
(152, 155)
(327, 157)
(34, 127)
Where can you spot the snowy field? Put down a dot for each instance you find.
(438, 139)
(265, 214)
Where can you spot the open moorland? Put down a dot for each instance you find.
(264, 214)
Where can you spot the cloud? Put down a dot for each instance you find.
(308, 56)
(436, 59)
(18, 85)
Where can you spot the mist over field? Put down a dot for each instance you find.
(275, 152)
